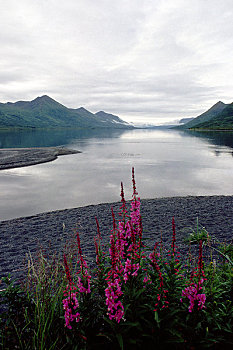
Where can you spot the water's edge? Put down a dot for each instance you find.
(52, 229)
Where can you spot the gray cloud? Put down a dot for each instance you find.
(149, 60)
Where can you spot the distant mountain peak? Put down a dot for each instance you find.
(44, 98)
(82, 109)
(204, 117)
(103, 113)
(221, 121)
(219, 103)
(108, 116)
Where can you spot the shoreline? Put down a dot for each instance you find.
(21, 157)
(52, 230)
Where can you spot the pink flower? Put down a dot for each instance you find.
(70, 304)
(114, 305)
(113, 291)
(162, 296)
(84, 281)
(192, 294)
(147, 280)
(130, 269)
(84, 284)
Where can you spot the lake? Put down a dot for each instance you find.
(167, 163)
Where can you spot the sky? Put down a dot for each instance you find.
(147, 61)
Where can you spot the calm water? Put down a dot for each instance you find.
(167, 163)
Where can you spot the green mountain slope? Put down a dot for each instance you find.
(223, 121)
(44, 112)
(204, 117)
(185, 120)
(107, 117)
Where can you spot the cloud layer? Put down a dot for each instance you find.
(144, 60)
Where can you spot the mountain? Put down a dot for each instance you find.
(222, 121)
(106, 118)
(204, 117)
(45, 112)
(185, 120)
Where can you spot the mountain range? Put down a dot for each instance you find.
(45, 112)
(218, 117)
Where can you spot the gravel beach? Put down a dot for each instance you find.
(19, 236)
(20, 157)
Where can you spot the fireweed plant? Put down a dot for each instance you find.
(151, 298)
(132, 298)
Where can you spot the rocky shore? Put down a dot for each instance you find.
(19, 157)
(53, 229)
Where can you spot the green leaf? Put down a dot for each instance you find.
(131, 324)
(157, 318)
(120, 340)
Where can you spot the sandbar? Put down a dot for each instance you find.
(21, 157)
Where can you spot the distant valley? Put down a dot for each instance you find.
(45, 112)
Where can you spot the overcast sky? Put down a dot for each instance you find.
(144, 60)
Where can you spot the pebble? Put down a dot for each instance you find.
(54, 229)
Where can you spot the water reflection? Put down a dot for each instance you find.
(215, 138)
(150, 134)
(52, 137)
(57, 137)
(167, 163)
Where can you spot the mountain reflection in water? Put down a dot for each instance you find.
(215, 138)
(167, 163)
